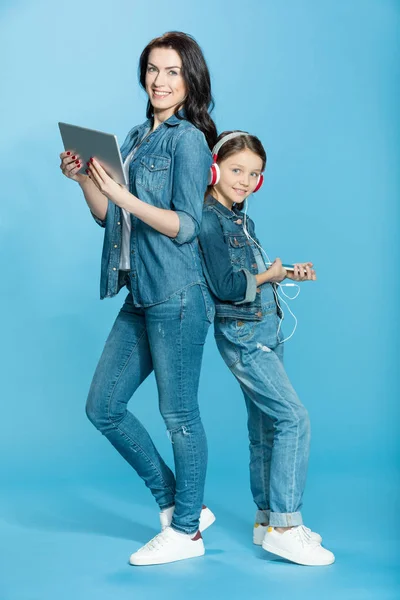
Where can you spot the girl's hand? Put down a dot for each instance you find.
(106, 184)
(302, 272)
(276, 272)
(70, 165)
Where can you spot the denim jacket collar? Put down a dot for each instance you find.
(223, 210)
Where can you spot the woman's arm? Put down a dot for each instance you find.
(98, 204)
(96, 201)
(192, 160)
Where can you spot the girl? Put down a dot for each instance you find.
(247, 332)
(150, 247)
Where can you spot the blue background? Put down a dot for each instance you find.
(318, 82)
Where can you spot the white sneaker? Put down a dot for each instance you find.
(168, 546)
(207, 518)
(296, 545)
(259, 532)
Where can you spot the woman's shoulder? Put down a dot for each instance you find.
(187, 132)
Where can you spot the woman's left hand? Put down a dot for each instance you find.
(106, 184)
(302, 272)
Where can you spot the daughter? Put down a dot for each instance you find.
(247, 332)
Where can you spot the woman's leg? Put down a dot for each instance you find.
(124, 365)
(177, 330)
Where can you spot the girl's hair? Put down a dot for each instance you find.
(237, 144)
(199, 101)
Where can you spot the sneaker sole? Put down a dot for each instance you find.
(258, 542)
(294, 559)
(144, 563)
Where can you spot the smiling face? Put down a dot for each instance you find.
(239, 177)
(165, 85)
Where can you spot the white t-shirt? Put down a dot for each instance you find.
(125, 257)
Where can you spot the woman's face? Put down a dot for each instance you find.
(165, 85)
(239, 176)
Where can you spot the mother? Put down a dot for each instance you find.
(150, 247)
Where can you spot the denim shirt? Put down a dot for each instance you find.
(229, 263)
(168, 170)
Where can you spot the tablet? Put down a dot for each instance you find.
(91, 143)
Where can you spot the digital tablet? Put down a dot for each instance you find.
(90, 143)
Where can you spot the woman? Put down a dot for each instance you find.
(150, 246)
(247, 332)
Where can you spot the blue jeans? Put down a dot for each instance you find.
(278, 424)
(169, 339)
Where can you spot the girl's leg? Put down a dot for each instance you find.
(261, 437)
(252, 353)
(124, 365)
(177, 331)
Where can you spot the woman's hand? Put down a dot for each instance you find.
(302, 272)
(70, 165)
(106, 184)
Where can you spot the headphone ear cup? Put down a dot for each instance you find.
(259, 183)
(214, 174)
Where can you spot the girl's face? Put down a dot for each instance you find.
(239, 176)
(165, 85)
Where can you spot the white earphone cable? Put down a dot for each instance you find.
(276, 294)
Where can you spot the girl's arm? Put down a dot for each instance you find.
(226, 283)
(191, 164)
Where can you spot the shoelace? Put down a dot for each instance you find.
(157, 541)
(303, 535)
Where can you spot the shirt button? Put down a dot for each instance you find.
(152, 166)
(239, 221)
(254, 265)
(118, 223)
(114, 268)
(258, 290)
(115, 246)
(259, 314)
(240, 323)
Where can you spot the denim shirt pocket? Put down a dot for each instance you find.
(237, 250)
(152, 172)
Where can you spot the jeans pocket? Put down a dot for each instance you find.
(245, 330)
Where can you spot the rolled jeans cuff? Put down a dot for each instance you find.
(285, 519)
(251, 288)
(262, 516)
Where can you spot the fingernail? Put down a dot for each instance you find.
(87, 170)
(68, 153)
(73, 158)
(91, 160)
(77, 162)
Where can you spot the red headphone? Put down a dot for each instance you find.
(215, 172)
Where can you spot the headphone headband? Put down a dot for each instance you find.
(226, 138)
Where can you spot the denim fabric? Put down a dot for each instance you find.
(229, 263)
(169, 339)
(168, 170)
(278, 424)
